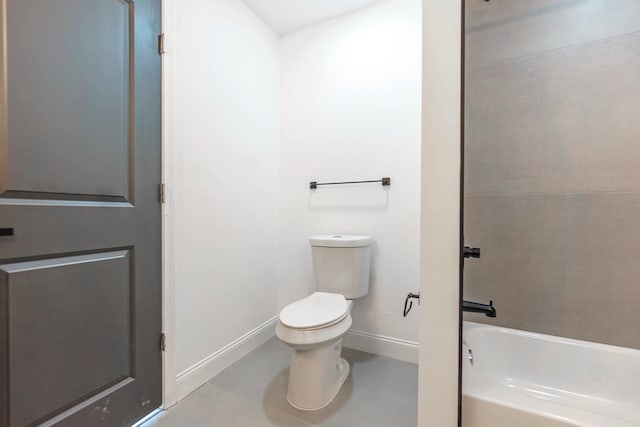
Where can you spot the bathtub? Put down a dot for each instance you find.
(523, 379)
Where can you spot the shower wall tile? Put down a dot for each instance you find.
(564, 265)
(563, 121)
(502, 29)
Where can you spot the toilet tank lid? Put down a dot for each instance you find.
(340, 241)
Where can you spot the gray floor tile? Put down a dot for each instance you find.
(212, 406)
(379, 391)
(251, 375)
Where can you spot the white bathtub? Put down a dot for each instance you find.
(523, 379)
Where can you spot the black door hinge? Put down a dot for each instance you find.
(161, 44)
(163, 342)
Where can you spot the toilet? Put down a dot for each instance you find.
(314, 326)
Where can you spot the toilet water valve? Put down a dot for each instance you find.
(409, 301)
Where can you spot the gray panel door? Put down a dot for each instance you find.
(80, 221)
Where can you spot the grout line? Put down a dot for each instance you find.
(259, 402)
(543, 52)
(227, 391)
(570, 193)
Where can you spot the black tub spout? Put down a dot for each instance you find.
(476, 307)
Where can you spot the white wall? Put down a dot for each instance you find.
(351, 102)
(243, 145)
(224, 194)
(440, 227)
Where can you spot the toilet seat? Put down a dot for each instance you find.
(308, 339)
(317, 311)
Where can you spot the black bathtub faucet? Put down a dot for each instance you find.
(476, 307)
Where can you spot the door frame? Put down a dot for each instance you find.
(439, 403)
(169, 24)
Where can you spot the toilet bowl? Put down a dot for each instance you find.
(313, 327)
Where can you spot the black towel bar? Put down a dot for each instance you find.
(385, 182)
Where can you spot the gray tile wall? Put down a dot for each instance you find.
(552, 186)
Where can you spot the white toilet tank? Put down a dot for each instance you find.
(341, 264)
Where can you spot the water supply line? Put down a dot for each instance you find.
(409, 301)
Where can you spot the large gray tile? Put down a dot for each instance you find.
(379, 391)
(211, 406)
(563, 265)
(251, 375)
(503, 29)
(563, 121)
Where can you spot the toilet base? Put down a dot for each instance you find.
(316, 376)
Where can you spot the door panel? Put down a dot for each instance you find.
(68, 97)
(70, 318)
(80, 279)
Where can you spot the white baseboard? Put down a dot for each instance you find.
(197, 375)
(393, 348)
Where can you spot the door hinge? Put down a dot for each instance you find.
(163, 342)
(163, 194)
(161, 44)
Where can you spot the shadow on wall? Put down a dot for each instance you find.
(355, 197)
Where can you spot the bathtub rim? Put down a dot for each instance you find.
(479, 386)
(468, 326)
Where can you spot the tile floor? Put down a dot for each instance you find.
(379, 392)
